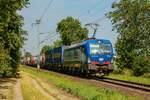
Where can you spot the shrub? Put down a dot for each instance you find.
(141, 65)
(4, 62)
(146, 75)
(127, 72)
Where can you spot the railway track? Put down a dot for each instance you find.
(133, 85)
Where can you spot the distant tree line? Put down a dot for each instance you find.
(11, 36)
(131, 19)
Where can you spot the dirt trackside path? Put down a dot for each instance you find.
(6, 89)
(10, 89)
(17, 92)
(46, 91)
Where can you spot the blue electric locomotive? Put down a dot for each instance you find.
(89, 56)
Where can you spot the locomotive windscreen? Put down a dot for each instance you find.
(94, 49)
(100, 48)
(105, 48)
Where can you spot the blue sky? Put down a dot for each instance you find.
(86, 11)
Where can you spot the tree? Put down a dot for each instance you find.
(11, 34)
(45, 49)
(4, 61)
(58, 43)
(71, 31)
(131, 19)
(28, 54)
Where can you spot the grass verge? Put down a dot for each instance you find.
(29, 91)
(135, 79)
(80, 89)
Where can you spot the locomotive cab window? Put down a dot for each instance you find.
(105, 48)
(94, 49)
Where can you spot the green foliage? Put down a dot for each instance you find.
(28, 54)
(45, 49)
(58, 43)
(131, 20)
(4, 61)
(141, 65)
(146, 75)
(127, 72)
(71, 31)
(11, 34)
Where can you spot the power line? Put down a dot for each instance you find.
(37, 23)
(103, 8)
(46, 9)
(52, 37)
(103, 17)
(98, 19)
(88, 10)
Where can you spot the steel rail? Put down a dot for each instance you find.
(137, 86)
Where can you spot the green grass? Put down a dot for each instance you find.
(80, 89)
(130, 78)
(29, 91)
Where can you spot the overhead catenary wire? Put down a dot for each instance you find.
(98, 19)
(106, 6)
(37, 23)
(88, 10)
(52, 36)
(103, 17)
(46, 9)
(95, 22)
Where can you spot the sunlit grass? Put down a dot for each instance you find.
(29, 91)
(80, 89)
(130, 78)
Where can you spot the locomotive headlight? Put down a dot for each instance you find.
(89, 60)
(101, 59)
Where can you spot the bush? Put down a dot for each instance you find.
(4, 62)
(127, 72)
(146, 75)
(116, 68)
(141, 65)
